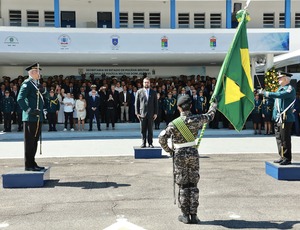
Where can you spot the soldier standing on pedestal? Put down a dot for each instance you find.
(183, 131)
(283, 116)
(31, 101)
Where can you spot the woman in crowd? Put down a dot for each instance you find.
(257, 115)
(110, 111)
(267, 109)
(159, 113)
(60, 95)
(80, 107)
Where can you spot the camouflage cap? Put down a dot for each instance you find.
(186, 99)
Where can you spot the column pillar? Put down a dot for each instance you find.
(228, 14)
(269, 62)
(56, 14)
(117, 14)
(287, 11)
(173, 14)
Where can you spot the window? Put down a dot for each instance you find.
(154, 20)
(297, 20)
(183, 20)
(268, 20)
(281, 20)
(138, 20)
(199, 20)
(49, 18)
(32, 18)
(123, 20)
(215, 20)
(15, 18)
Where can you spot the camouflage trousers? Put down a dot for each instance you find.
(187, 176)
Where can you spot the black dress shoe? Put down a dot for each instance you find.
(285, 162)
(278, 161)
(99, 129)
(184, 219)
(143, 146)
(195, 219)
(151, 146)
(90, 130)
(32, 169)
(40, 167)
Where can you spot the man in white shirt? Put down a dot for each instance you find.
(69, 104)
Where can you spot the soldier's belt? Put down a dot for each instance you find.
(182, 145)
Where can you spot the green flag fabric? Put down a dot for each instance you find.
(234, 88)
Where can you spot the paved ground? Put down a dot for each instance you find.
(97, 184)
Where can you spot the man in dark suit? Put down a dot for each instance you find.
(124, 99)
(94, 110)
(146, 109)
(14, 94)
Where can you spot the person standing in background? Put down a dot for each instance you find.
(80, 107)
(146, 109)
(53, 106)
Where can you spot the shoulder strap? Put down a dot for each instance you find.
(183, 129)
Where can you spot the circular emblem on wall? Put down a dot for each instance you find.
(11, 41)
(64, 40)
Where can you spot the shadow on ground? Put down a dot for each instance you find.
(84, 184)
(241, 224)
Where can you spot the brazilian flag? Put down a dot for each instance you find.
(234, 88)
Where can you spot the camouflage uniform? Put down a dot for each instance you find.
(186, 159)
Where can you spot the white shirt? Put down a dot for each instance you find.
(68, 108)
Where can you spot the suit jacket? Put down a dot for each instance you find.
(29, 98)
(146, 107)
(93, 103)
(128, 98)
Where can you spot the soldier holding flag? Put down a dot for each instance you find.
(183, 131)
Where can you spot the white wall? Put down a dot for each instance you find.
(167, 71)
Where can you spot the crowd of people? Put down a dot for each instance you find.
(73, 101)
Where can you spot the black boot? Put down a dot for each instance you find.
(184, 219)
(194, 219)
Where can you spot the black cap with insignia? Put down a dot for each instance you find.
(183, 100)
(284, 74)
(33, 66)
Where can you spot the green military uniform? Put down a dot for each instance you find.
(53, 105)
(283, 116)
(7, 110)
(32, 104)
(169, 106)
(186, 157)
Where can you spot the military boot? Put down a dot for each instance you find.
(184, 218)
(195, 219)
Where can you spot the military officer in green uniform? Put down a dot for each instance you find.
(53, 106)
(183, 131)
(7, 110)
(31, 101)
(283, 116)
(169, 107)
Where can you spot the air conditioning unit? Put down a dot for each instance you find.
(91, 24)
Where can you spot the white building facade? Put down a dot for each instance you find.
(162, 38)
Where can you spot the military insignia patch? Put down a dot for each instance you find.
(289, 89)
